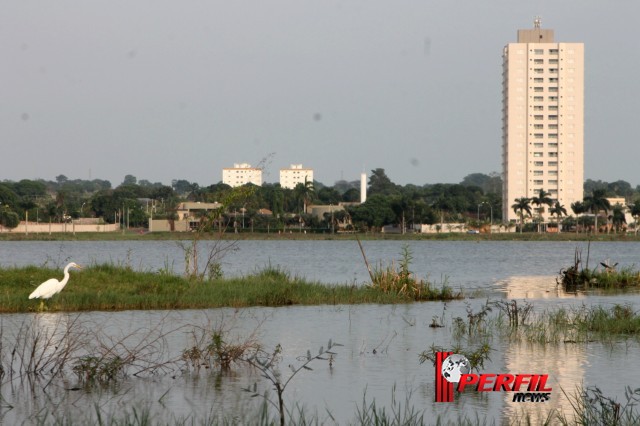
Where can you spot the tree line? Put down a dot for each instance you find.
(476, 199)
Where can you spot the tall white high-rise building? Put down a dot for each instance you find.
(543, 120)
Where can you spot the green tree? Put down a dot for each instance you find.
(375, 213)
(7, 196)
(541, 200)
(521, 206)
(558, 210)
(329, 195)
(130, 180)
(578, 208)
(617, 217)
(30, 188)
(635, 212)
(596, 202)
(304, 192)
(491, 183)
(8, 218)
(380, 184)
(351, 195)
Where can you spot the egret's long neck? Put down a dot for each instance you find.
(66, 275)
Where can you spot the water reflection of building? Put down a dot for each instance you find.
(534, 287)
(564, 363)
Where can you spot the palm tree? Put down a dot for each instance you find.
(597, 202)
(541, 200)
(306, 192)
(578, 208)
(617, 217)
(522, 205)
(558, 210)
(635, 212)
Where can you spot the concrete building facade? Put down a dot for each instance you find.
(543, 119)
(241, 174)
(294, 175)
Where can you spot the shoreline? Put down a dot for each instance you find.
(139, 235)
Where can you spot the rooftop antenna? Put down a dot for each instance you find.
(537, 22)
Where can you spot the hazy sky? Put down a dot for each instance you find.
(180, 89)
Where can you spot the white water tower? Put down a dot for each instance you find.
(363, 187)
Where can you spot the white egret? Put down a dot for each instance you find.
(53, 286)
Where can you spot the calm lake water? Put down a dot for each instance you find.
(381, 343)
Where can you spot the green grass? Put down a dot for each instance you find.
(576, 325)
(586, 279)
(110, 287)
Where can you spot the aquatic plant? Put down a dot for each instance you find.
(99, 369)
(216, 347)
(397, 279)
(476, 356)
(517, 315)
(577, 324)
(267, 364)
(606, 276)
(591, 407)
(370, 413)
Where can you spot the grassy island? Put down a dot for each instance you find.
(110, 287)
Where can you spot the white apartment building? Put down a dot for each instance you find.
(543, 119)
(294, 175)
(241, 174)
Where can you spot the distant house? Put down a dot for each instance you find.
(188, 217)
(192, 210)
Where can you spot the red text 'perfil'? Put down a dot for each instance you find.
(504, 382)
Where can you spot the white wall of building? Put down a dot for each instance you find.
(241, 174)
(291, 177)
